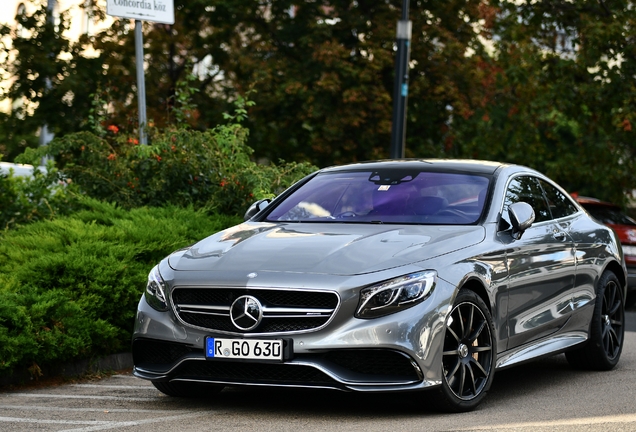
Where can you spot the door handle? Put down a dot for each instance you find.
(558, 235)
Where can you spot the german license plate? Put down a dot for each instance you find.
(244, 349)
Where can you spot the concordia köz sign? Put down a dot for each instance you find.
(161, 11)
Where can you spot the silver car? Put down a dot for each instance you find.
(387, 276)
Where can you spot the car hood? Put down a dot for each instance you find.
(335, 249)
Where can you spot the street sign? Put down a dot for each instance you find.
(161, 11)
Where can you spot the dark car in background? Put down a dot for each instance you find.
(614, 217)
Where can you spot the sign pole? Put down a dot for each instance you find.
(141, 83)
(401, 85)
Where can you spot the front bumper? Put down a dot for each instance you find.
(397, 352)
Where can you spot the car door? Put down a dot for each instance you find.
(541, 266)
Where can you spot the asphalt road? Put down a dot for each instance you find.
(542, 396)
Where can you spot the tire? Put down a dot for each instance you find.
(187, 389)
(607, 328)
(468, 358)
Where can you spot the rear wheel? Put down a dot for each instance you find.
(468, 362)
(607, 329)
(187, 389)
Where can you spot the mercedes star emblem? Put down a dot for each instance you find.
(246, 313)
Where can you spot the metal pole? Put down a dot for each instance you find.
(45, 135)
(141, 84)
(401, 86)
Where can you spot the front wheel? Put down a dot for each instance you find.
(468, 358)
(607, 329)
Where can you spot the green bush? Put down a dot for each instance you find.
(69, 286)
(181, 167)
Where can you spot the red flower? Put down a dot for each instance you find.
(133, 141)
(112, 156)
(158, 158)
(113, 128)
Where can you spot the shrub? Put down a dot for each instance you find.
(69, 286)
(181, 167)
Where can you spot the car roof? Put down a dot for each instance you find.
(18, 170)
(448, 165)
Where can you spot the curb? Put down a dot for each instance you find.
(78, 368)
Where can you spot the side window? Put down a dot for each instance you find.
(560, 205)
(526, 189)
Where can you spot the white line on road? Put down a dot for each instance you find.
(117, 425)
(63, 396)
(147, 387)
(65, 409)
(625, 418)
(76, 422)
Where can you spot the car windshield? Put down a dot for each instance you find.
(389, 196)
(609, 215)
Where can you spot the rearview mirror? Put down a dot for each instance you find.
(256, 207)
(521, 217)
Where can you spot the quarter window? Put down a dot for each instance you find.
(560, 205)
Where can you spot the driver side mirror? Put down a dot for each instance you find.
(256, 207)
(521, 216)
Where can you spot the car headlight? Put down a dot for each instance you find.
(396, 294)
(156, 290)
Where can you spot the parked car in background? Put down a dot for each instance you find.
(614, 217)
(387, 276)
(18, 170)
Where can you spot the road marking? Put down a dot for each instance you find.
(63, 396)
(97, 425)
(76, 422)
(147, 387)
(111, 410)
(586, 421)
(117, 425)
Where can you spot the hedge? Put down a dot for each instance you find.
(69, 286)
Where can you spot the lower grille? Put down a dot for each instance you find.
(159, 355)
(360, 365)
(375, 363)
(253, 373)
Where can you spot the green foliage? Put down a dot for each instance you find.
(43, 196)
(211, 169)
(69, 286)
(52, 78)
(546, 84)
(560, 95)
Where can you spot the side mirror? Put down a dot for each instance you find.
(256, 207)
(521, 216)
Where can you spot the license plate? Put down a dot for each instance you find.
(244, 349)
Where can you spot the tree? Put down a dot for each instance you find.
(563, 95)
(50, 74)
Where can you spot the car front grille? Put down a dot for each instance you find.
(284, 310)
(159, 355)
(254, 373)
(375, 362)
(355, 365)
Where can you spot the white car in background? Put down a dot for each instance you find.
(19, 170)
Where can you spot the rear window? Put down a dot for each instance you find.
(396, 196)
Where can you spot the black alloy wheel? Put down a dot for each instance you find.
(607, 328)
(468, 362)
